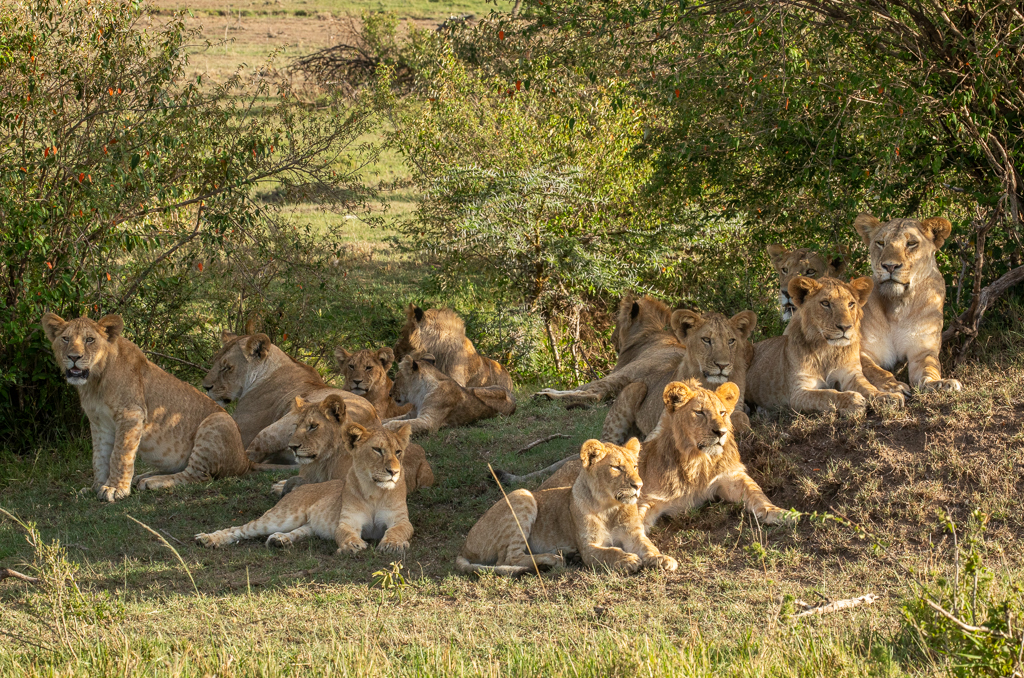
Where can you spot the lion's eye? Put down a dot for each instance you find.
(810, 271)
(879, 243)
(65, 339)
(89, 340)
(369, 367)
(313, 427)
(379, 451)
(398, 453)
(911, 245)
(225, 368)
(617, 468)
(785, 270)
(351, 367)
(850, 304)
(706, 340)
(826, 304)
(702, 413)
(732, 341)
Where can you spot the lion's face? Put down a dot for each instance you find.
(233, 364)
(611, 471)
(830, 308)
(80, 346)
(701, 416)
(714, 341)
(364, 371)
(415, 378)
(377, 453)
(637, 318)
(901, 250)
(802, 261)
(318, 433)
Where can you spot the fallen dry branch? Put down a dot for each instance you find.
(535, 443)
(826, 608)
(967, 627)
(6, 572)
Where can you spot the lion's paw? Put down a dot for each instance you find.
(112, 494)
(278, 488)
(889, 399)
(280, 540)
(628, 562)
(392, 546)
(207, 540)
(352, 545)
(851, 402)
(953, 385)
(662, 562)
(777, 516)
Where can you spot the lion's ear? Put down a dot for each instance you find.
(333, 407)
(417, 313)
(776, 252)
(355, 434)
(729, 394)
(938, 229)
(744, 323)
(675, 395)
(256, 347)
(862, 289)
(800, 287)
(52, 325)
(634, 311)
(427, 358)
(685, 321)
(406, 362)
(112, 324)
(592, 452)
(226, 336)
(633, 445)
(836, 267)
(866, 225)
(404, 434)
(298, 403)
(386, 356)
(340, 356)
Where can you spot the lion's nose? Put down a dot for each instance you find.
(723, 366)
(74, 358)
(294, 448)
(718, 432)
(208, 388)
(843, 328)
(891, 267)
(637, 484)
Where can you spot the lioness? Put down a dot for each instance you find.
(134, 407)
(801, 261)
(366, 374)
(647, 352)
(718, 350)
(264, 381)
(368, 504)
(692, 458)
(322, 448)
(903, 316)
(815, 365)
(441, 333)
(595, 517)
(437, 400)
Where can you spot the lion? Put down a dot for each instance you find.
(692, 458)
(438, 400)
(368, 504)
(815, 365)
(441, 333)
(718, 350)
(647, 352)
(801, 261)
(322, 449)
(135, 408)
(366, 374)
(596, 517)
(903, 316)
(263, 381)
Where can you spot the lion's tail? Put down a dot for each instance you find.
(463, 565)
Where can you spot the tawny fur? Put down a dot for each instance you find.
(801, 261)
(264, 382)
(438, 400)
(815, 365)
(368, 504)
(718, 350)
(324, 452)
(596, 517)
(365, 374)
(442, 333)
(137, 409)
(903, 316)
(692, 458)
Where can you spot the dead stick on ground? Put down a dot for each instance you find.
(172, 536)
(6, 572)
(834, 607)
(535, 443)
(967, 627)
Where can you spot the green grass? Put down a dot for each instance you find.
(414, 9)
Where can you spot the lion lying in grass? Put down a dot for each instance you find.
(366, 374)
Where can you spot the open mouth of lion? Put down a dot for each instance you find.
(358, 390)
(76, 374)
(305, 459)
(628, 497)
(719, 378)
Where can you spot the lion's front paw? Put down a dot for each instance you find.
(942, 385)
(777, 516)
(112, 494)
(351, 545)
(393, 424)
(207, 540)
(392, 546)
(278, 488)
(740, 421)
(894, 386)
(889, 399)
(662, 562)
(850, 402)
(280, 540)
(628, 562)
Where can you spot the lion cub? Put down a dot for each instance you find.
(801, 261)
(366, 374)
(437, 400)
(368, 504)
(596, 517)
(322, 448)
(815, 365)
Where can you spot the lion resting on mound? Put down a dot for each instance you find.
(321, 447)
(903, 316)
(801, 261)
(815, 365)
(264, 382)
(647, 352)
(718, 350)
(596, 517)
(438, 400)
(442, 334)
(135, 408)
(366, 374)
(692, 458)
(368, 504)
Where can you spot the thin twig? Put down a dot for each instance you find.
(535, 443)
(967, 627)
(525, 540)
(6, 572)
(171, 357)
(825, 608)
(173, 537)
(168, 545)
